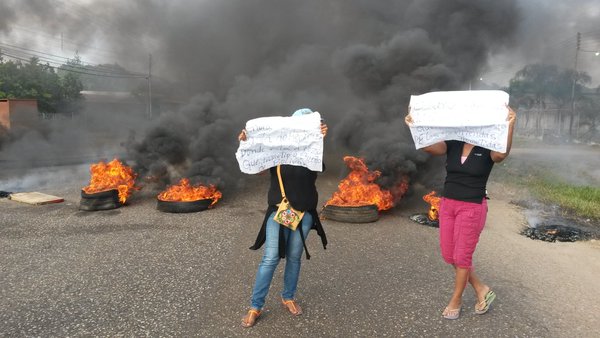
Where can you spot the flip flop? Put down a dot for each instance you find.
(451, 313)
(483, 306)
(292, 306)
(250, 319)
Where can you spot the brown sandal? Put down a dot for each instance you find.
(250, 319)
(292, 306)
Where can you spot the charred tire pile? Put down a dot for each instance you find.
(183, 207)
(360, 214)
(424, 220)
(553, 233)
(104, 200)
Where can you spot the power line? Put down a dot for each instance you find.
(24, 54)
(589, 42)
(77, 45)
(60, 59)
(74, 70)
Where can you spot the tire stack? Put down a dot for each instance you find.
(350, 214)
(103, 200)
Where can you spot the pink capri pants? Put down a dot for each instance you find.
(461, 224)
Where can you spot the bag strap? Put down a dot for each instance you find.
(280, 181)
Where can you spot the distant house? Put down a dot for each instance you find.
(103, 102)
(19, 113)
(125, 103)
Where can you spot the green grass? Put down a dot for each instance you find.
(578, 200)
(581, 200)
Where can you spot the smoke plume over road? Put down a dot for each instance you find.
(356, 62)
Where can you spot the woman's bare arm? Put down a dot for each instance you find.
(439, 148)
(497, 156)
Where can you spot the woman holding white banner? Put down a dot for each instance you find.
(463, 212)
(282, 242)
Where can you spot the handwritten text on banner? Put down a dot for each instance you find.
(477, 117)
(294, 140)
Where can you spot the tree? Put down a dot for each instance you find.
(31, 80)
(577, 79)
(537, 85)
(531, 86)
(71, 86)
(589, 118)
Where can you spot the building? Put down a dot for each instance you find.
(19, 113)
(126, 104)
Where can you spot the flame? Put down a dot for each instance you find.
(400, 189)
(184, 192)
(358, 189)
(434, 201)
(111, 175)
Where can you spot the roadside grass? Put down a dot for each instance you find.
(583, 201)
(580, 200)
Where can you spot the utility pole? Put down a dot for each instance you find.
(150, 86)
(573, 88)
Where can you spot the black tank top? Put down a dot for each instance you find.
(466, 181)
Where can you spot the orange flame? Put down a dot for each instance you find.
(400, 189)
(434, 201)
(358, 189)
(111, 175)
(184, 192)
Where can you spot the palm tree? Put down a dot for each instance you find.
(532, 86)
(536, 85)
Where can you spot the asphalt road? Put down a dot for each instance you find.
(135, 271)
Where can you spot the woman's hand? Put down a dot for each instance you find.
(512, 116)
(242, 136)
(408, 119)
(323, 129)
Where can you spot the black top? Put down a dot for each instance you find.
(301, 192)
(466, 181)
(299, 185)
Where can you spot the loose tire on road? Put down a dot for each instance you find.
(359, 214)
(183, 207)
(103, 200)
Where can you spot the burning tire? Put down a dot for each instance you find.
(360, 214)
(103, 200)
(183, 207)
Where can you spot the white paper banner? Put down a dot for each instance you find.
(475, 116)
(294, 140)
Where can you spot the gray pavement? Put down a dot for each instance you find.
(135, 271)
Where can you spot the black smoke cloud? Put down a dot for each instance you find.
(196, 142)
(357, 62)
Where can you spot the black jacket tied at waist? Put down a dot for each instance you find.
(260, 239)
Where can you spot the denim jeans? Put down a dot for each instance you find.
(270, 259)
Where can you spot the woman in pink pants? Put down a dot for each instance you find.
(463, 211)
